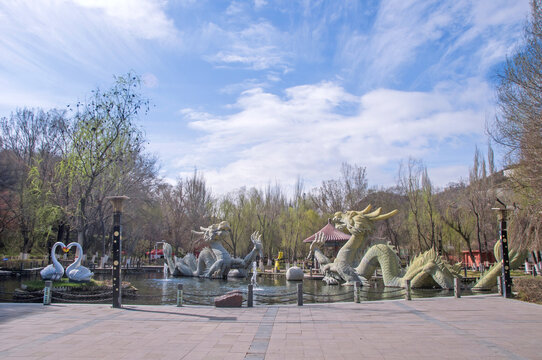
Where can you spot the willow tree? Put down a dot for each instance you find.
(103, 135)
(29, 139)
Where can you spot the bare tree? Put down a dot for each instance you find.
(416, 186)
(345, 193)
(518, 126)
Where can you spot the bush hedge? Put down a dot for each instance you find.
(529, 289)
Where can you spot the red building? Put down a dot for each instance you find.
(485, 258)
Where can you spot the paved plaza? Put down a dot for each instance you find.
(475, 327)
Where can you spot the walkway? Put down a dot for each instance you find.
(480, 327)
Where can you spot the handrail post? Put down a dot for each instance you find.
(250, 295)
(357, 286)
(407, 294)
(300, 294)
(47, 292)
(457, 288)
(179, 295)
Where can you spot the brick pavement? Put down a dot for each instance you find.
(487, 327)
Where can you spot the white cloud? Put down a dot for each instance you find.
(468, 37)
(258, 46)
(258, 4)
(306, 133)
(150, 80)
(400, 28)
(45, 44)
(140, 18)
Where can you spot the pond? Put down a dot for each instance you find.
(155, 289)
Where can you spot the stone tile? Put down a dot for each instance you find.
(487, 326)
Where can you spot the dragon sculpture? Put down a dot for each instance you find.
(426, 270)
(489, 279)
(214, 261)
(359, 224)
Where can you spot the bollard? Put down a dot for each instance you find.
(407, 294)
(499, 284)
(457, 288)
(300, 294)
(357, 288)
(47, 292)
(250, 295)
(179, 295)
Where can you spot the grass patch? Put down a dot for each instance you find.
(35, 285)
(529, 289)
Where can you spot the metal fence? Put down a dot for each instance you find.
(250, 297)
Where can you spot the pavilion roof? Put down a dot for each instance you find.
(330, 233)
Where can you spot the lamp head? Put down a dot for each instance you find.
(117, 202)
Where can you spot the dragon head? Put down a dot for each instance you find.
(359, 222)
(214, 232)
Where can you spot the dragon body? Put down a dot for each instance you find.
(425, 270)
(214, 261)
(489, 279)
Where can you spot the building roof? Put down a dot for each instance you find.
(330, 233)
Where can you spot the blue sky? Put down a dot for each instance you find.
(258, 92)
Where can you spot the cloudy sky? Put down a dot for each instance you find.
(258, 92)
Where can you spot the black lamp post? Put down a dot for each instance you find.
(117, 202)
(506, 284)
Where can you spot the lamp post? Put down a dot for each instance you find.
(506, 283)
(117, 202)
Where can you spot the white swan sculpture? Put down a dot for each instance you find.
(77, 272)
(54, 271)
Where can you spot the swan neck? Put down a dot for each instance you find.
(77, 262)
(56, 263)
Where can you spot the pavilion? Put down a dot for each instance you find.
(333, 237)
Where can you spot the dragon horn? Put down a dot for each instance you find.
(374, 213)
(367, 209)
(385, 216)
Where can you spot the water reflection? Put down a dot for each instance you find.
(270, 290)
(155, 288)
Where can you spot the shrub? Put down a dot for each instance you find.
(529, 289)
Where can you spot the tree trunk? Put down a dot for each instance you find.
(81, 224)
(59, 238)
(27, 240)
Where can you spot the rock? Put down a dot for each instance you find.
(295, 274)
(237, 273)
(230, 299)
